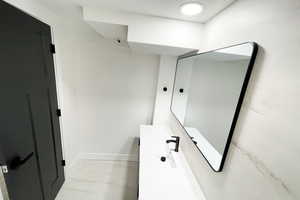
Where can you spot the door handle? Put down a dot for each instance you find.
(18, 162)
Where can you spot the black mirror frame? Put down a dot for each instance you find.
(240, 100)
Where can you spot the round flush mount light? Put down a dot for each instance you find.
(191, 9)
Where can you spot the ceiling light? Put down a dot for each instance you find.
(191, 9)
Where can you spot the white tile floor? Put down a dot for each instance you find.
(101, 180)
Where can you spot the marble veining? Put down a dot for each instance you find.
(263, 169)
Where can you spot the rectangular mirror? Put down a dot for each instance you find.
(208, 93)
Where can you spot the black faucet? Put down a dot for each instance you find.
(176, 141)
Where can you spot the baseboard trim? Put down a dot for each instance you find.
(108, 157)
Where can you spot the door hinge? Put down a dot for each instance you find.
(52, 48)
(58, 112)
(63, 163)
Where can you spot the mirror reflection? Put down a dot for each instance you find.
(208, 91)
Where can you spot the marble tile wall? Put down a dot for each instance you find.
(263, 161)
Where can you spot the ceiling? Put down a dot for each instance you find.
(160, 8)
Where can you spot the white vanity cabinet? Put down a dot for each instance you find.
(169, 180)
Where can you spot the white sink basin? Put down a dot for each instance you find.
(162, 180)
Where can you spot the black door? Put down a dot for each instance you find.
(30, 142)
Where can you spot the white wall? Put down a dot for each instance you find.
(263, 161)
(166, 77)
(116, 93)
(112, 91)
(105, 91)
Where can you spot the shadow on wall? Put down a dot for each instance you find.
(124, 181)
(133, 144)
(131, 171)
(123, 178)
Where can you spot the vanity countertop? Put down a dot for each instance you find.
(169, 180)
